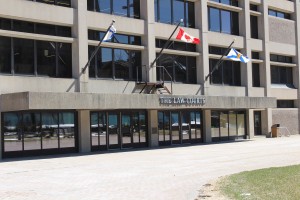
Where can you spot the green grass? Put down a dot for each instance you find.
(278, 183)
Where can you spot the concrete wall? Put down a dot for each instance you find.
(288, 118)
(285, 34)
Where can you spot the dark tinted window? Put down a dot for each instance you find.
(228, 73)
(114, 63)
(5, 24)
(255, 75)
(279, 14)
(282, 75)
(285, 104)
(254, 27)
(23, 56)
(118, 38)
(171, 11)
(181, 46)
(5, 55)
(23, 26)
(181, 68)
(52, 59)
(223, 21)
(64, 3)
(255, 55)
(228, 2)
(280, 58)
(253, 7)
(126, 8)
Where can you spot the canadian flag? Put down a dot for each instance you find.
(183, 36)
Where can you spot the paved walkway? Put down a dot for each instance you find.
(171, 173)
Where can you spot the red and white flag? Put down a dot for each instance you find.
(183, 36)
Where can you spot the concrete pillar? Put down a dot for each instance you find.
(250, 123)
(153, 128)
(148, 40)
(207, 126)
(84, 135)
(245, 30)
(80, 46)
(266, 121)
(297, 57)
(266, 72)
(204, 57)
(1, 147)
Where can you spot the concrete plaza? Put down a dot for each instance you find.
(169, 173)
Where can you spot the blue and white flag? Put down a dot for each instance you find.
(237, 56)
(110, 33)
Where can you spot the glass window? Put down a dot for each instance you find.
(104, 63)
(103, 6)
(66, 129)
(254, 27)
(45, 29)
(285, 103)
(214, 20)
(165, 11)
(12, 132)
(64, 3)
(31, 131)
(46, 58)
(120, 7)
(232, 124)
(5, 24)
(282, 75)
(178, 10)
(23, 26)
(23, 56)
(225, 22)
(50, 130)
(122, 64)
(255, 75)
(64, 51)
(5, 55)
(215, 124)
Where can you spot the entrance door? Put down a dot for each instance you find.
(257, 122)
(126, 130)
(113, 131)
(175, 128)
(185, 127)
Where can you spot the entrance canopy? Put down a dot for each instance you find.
(90, 101)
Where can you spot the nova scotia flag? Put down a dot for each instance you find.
(237, 56)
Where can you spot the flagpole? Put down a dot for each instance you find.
(219, 61)
(97, 49)
(166, 44)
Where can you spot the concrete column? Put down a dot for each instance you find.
(250, 123)
(207, 126)
(297, 57)
(266, 121)
(204, 58)
(80, 46)
(148, 40)
(84, 135)
(266, 72)
(1, 147)
(153, 128)
(245, 30)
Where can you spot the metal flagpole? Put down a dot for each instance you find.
(166, 44)
(97, 49)
(219, 61)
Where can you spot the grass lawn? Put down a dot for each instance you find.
(272, 183)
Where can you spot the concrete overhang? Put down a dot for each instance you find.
(91, 101)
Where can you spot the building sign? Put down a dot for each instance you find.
(182, 101)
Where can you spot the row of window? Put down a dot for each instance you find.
(30, 27)
(37, 58)
(39, 131)
(64, 3)
(118, 38)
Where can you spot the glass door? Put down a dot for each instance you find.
(185, 127)
(175, 129)
(126, 130)
(257, 123)
(113, 131)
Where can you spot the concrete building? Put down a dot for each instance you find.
(50, 105)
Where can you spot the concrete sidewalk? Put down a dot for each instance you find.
(170, 173)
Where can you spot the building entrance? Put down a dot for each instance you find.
(179, 127)
(118, 130)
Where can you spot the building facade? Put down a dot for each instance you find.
(50, 105)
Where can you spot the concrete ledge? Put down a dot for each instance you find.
(90, 101)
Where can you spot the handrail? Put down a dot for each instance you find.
(147, 78)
